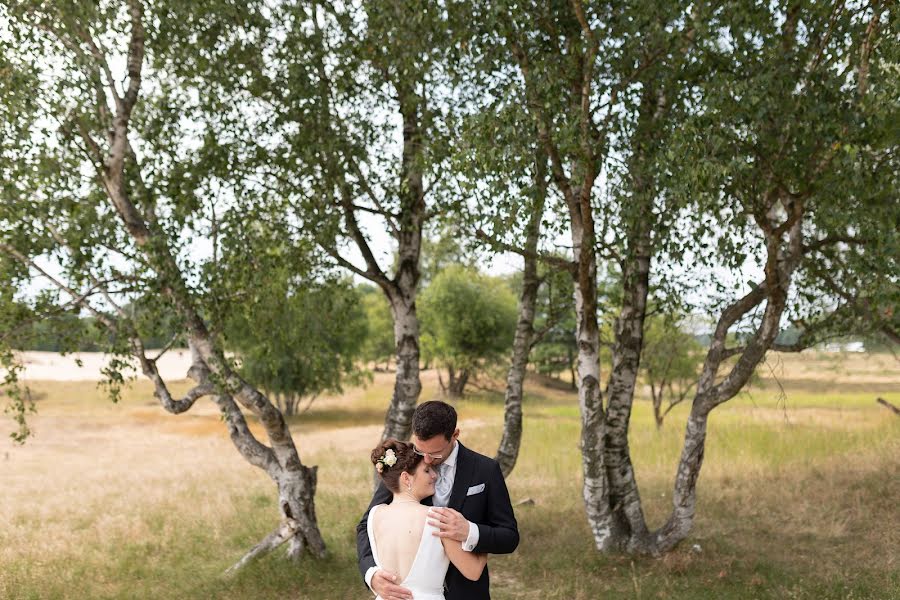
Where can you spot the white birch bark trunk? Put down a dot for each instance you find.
(407, 383)
(624, 497)
(590, 399)
(629, 331)
(781, 261)
(508, 450)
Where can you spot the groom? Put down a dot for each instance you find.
(475, 508)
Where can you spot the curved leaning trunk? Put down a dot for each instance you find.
(296, 501)
(296, 490)
(296, 483)
(684, 500)
(298, 525)
(508, 450)
(213, 374)
(780, 265)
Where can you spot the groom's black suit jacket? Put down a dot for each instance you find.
(490, 509)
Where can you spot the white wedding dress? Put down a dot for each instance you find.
(426, 575)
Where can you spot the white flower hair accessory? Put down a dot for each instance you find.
(388, 459)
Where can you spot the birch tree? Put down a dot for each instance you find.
(616, 92)
(105, 198)
(504, 205)
(357, 144)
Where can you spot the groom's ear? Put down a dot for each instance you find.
(456, 434)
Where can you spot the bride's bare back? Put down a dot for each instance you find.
(398, 532)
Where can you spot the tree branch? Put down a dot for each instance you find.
(549, 259)
(587, 66)
(830, 240)
(78, 298)
(284, 532)
(367, 188)
(135, 55)
(378, 277)
(362, 243)
(102, 64)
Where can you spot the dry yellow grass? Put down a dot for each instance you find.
(93, 465)
(791, 488)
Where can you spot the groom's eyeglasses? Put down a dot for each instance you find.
(433, 456)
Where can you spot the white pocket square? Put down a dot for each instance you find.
(475, 489)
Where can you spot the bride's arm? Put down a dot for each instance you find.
(469, 564)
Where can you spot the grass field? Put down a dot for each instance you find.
(799, 495)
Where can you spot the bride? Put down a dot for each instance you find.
(402, 542)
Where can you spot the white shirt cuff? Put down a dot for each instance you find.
(472, 540)
(369, 574)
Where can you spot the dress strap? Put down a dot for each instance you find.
(370, 531)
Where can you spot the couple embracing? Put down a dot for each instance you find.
(439, 510)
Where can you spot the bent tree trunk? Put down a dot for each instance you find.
(405, 224)
(142, 222)
(780, 264)
(508, 450)
(615, 507)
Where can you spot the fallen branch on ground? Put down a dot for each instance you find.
(284, 532)
(889, 405)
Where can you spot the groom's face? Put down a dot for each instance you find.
(436, 449)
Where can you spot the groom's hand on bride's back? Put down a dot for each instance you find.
(383, 584)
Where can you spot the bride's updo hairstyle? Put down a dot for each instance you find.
(392, 457)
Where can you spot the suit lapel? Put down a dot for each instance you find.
(464, 466)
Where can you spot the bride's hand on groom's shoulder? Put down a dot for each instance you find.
(383, 584)
(450, 522)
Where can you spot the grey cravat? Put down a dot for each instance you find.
(442, 485)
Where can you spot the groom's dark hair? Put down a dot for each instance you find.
(434, 418)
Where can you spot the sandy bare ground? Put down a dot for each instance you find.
(52, 366)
